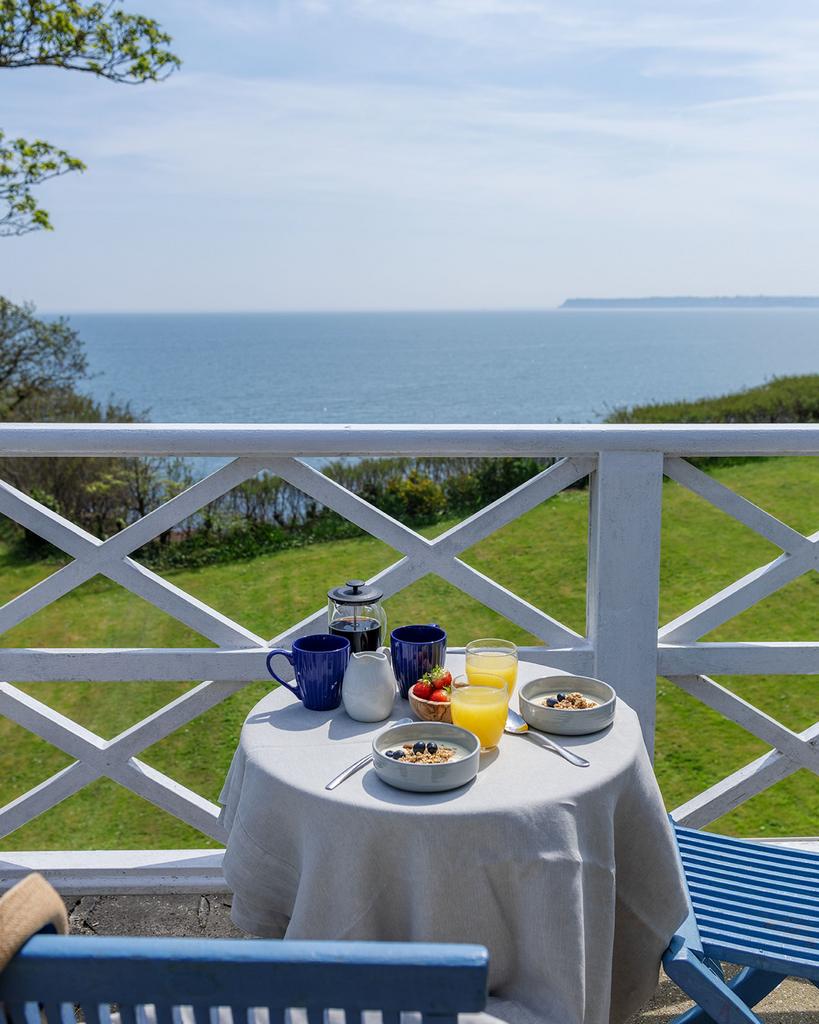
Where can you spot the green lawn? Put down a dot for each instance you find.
(541, 556)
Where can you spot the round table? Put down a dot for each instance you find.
(568, 875)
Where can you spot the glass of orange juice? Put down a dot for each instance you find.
(481, 707)
(492, 657)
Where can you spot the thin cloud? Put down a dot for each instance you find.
(366, 142)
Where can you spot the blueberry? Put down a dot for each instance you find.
(398, 755)
(551, 702)
(419, 747)
(432, 748)
(561, 696)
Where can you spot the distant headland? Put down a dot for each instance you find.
(699, 302)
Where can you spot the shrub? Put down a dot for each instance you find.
(780, 400)
(414, 499)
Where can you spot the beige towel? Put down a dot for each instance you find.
(26, 909)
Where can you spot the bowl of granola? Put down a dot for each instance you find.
(568, 705)
(426, 757)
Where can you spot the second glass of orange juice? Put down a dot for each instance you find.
(492, 657)
(481, 708)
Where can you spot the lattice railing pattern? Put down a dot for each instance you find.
(621, 641)
(791, 751)
(117, 758)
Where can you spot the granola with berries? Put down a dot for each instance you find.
(422, 753)
(569, 702)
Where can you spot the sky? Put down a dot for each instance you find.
(431, 154)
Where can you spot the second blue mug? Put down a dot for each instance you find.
(319, 662)
(416, 650)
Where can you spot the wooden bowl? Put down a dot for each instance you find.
(430, 710)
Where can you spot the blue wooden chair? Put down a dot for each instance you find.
(752, 905)
(52, 974)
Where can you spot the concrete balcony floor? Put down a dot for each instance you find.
(794, 1002)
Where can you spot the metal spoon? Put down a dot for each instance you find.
(361, 762)
(517, 727)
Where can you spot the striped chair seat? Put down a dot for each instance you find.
(753, 905)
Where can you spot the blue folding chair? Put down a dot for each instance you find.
(52, 974)
(750, 904)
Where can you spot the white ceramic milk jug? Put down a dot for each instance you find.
(369, 687)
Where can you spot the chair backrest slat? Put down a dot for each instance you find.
(96, 1013)
(201, 1013)
(27, 1012)
(52, 1012)
(437, 980)
(163, 1011)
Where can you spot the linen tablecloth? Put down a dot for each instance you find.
(568, 875)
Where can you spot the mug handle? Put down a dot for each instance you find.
(289, 655)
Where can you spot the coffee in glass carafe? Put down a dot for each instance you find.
(355, 612)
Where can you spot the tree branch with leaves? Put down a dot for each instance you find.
(97, 38)
(23, 165)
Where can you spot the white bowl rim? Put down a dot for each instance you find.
(557, 679)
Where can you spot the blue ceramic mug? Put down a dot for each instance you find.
(319, 662)
(416, 650)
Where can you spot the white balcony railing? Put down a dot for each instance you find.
(625, 465)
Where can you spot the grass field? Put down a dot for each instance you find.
(542, 557)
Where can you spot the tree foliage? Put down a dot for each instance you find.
(42, 365)
(37, 358)
(97, 38)
(101, 495)
(23, 165)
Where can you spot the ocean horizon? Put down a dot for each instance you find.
(526, 366)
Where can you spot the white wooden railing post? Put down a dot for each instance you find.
(623, 577)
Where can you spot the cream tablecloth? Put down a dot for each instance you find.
(568, 875)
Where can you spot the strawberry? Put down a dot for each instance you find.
(423, 689)
(439, 697)
(440, 677)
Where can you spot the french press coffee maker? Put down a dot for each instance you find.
(355, 611)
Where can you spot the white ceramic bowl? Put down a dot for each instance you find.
(427, 778)
(562, 721)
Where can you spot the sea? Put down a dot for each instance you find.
(569, 366)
